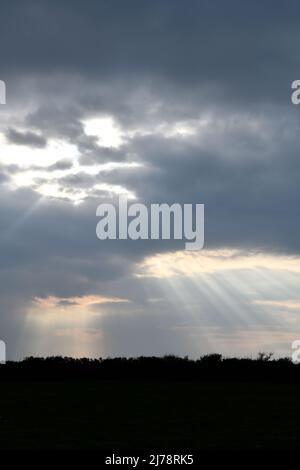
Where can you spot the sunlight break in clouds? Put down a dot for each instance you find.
(209, 261)
(25, 156)
(106, 130)
(57, 310)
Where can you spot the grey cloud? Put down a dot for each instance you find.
(66, 123)
(80, 180)
(60, 121)
(29, 139)
(238, 52)
(4, 178)
(60, 165)
(147, 64)
(248, 182)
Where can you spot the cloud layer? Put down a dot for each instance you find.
(167, 102)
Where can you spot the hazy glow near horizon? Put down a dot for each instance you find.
(207, 261)
(75, 310)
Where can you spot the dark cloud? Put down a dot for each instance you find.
(60, 121)
(247, 180)
(232, 50)
(29, 139)
(4, 178)
(60, 165)
(80, 180)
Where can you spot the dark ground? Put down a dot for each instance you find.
(113, 406)
(119, 414)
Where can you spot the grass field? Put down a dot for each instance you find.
(119, 414)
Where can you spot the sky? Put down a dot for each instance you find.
(163, 101)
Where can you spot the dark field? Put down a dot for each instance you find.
(148, 414)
